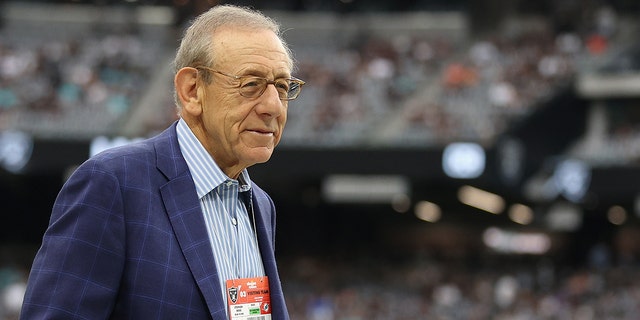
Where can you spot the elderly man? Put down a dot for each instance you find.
(172, 227)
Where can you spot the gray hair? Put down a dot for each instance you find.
(196, 47)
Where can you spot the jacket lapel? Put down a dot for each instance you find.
(265, 226)
(185, 215)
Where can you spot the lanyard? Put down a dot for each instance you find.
(231, 255)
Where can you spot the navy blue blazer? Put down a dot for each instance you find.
(127, 240)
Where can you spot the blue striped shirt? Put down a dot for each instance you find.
(230, 227)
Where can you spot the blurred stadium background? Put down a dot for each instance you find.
(447, 159)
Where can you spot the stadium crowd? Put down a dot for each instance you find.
(440, 88)
(444, 89)
(325, 288)
(53, 85)
(429, 289)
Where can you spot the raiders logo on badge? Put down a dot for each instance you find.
(233, 294)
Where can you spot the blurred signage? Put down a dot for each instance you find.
(572, 177)
(512, 242)
(101, 143)
(349, 188)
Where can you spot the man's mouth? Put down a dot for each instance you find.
(262, 132)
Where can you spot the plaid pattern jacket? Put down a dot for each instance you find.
(127, 240)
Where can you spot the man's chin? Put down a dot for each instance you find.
(260, 154)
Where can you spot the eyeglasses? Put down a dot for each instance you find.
(253, 87)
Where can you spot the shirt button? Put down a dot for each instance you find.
(234, 221)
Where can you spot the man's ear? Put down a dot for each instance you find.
(186, 83)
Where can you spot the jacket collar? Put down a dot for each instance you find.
(185, 215)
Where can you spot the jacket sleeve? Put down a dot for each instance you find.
(77, 270)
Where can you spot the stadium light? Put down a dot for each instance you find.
(16, 148)
(481, 199)
(617, 215)
(462, 160)
(428, 211)
(521, 214)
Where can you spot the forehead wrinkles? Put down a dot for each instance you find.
(241, 47)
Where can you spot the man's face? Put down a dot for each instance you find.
(238, 131)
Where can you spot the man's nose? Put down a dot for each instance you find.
(271, 104)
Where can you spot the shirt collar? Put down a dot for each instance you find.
(205, 172)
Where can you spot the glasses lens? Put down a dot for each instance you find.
(253, 87)
(294, 89)
(283, 85)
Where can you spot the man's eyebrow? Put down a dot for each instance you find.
(282, 75)
(263, 74)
